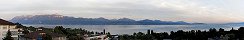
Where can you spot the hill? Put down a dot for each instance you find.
(55, 19)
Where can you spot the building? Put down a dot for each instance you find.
(36, 35)
(5, 26)
(99, 37)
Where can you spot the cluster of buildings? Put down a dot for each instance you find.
(5, 26)
(17, 32)
(39, 34)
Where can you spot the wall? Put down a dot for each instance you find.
(4, 29)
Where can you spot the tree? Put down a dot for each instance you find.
(8, 36)
(47, 37)
(31, 28)
(221, 30)
(109, 35)
(241, 29)
(25, 31)
(19, 25)
(60, 30)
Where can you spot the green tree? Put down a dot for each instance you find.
(109, 35)
(25, 31)
(19, 25)
(47, 37)
(8, 36)
(59, 29)
(31, 28)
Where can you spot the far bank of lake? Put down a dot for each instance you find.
(130, 29)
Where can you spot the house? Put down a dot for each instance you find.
(56, 36)
(36, 35)
(224, 37)
(5, 26)
(98, 37)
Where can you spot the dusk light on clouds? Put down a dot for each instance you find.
(204, 11)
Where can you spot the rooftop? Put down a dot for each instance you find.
(4, 22)
(34, 35)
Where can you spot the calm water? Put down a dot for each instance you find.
(130, 29)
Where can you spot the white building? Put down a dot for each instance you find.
(100, 37)
(5, 26)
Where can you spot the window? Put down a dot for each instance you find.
(5, 28)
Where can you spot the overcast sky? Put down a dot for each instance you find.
(206, 11)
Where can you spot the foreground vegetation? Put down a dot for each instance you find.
(78, 34)
(214, 34)
(72, 34)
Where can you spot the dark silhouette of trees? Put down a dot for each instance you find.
(25, 31)
(47, 37)
(212, 33)
(109, 35)
(31, 28)
(60, 30)
(8, 36)
(241, 33)
(73, 34)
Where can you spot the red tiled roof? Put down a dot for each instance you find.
(4, 22)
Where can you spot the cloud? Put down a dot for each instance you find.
(169, 10)
(192, 11)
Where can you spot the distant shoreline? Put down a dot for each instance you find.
(114, 24)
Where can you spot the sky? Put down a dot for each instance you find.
(204, 11)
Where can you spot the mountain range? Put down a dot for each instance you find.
(236, 23)
(55, 19)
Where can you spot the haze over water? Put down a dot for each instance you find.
(130, 29)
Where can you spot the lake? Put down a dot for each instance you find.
(130, 29)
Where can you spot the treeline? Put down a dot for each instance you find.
(66, 20)
(212, 34)
(71, 34)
